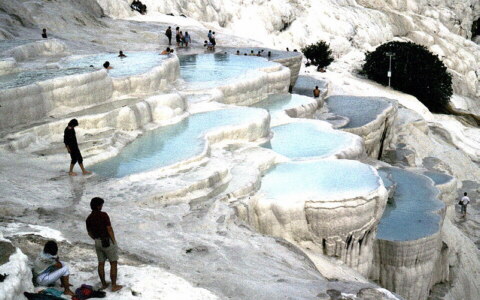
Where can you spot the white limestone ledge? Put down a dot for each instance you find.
(256, 86)
(339, 221)
(406, 267)
(50, 47)
(101, 129)
(8, 65)
(17, 268)
(34, 102)
(157, 79)
(294, 63)
(291, 60)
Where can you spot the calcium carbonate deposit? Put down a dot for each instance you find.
(224, 178)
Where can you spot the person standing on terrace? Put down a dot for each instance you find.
(168, 33)
(100, 229)
(70, 140)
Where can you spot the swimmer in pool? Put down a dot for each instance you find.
(107, 66)
(121, 55)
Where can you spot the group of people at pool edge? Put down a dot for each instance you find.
(48, 268)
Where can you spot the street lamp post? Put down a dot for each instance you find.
(389, 74)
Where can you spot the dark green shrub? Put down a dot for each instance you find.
(415, 71)
(318, 54)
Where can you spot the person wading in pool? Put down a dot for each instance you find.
(316, 92)
(70, 140)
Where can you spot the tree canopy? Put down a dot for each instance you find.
(415, 71)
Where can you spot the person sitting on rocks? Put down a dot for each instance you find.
(121, 55)
(251, 53)
(48, 268)
(316, 92)
(107, 66)
(166, 51)
(44, 33)
(259, 53)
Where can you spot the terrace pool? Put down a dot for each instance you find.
(14, 80)
(302, 140)
(134, 63)
(320, 180)
(280, 102)
(412, 215)
(360, 110)
(213, 69)
(174, 143)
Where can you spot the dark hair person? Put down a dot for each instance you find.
(70, 141)
(48, 268)
(100, 229)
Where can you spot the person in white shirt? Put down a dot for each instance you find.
(464, 202)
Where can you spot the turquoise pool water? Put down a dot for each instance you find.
(174, 143)
(134, 63)
(301, 140)
(412, 215)
(319, 180)
(438, 178)
(360, 110)
(14, 80)
(214, 69)
(280, 102)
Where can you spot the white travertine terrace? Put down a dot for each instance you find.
(258, 86)
(17, 268)
(37, 101)
(7, 65)
(376, 132)
(51, 47)
(323, 216)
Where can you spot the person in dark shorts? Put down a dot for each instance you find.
(316, 92)
(168, 33)
(70, 140)
(100, 229)
(177, 36)
(44, 33)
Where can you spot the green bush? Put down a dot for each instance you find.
(415, 71)
(318, 54)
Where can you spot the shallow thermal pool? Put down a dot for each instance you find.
(412, 214)
(213, 69)
(280, 102)
(319, 180)
(360, 110)
(303, 140)
(23, 78)
(134, 63)
(174, 143)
